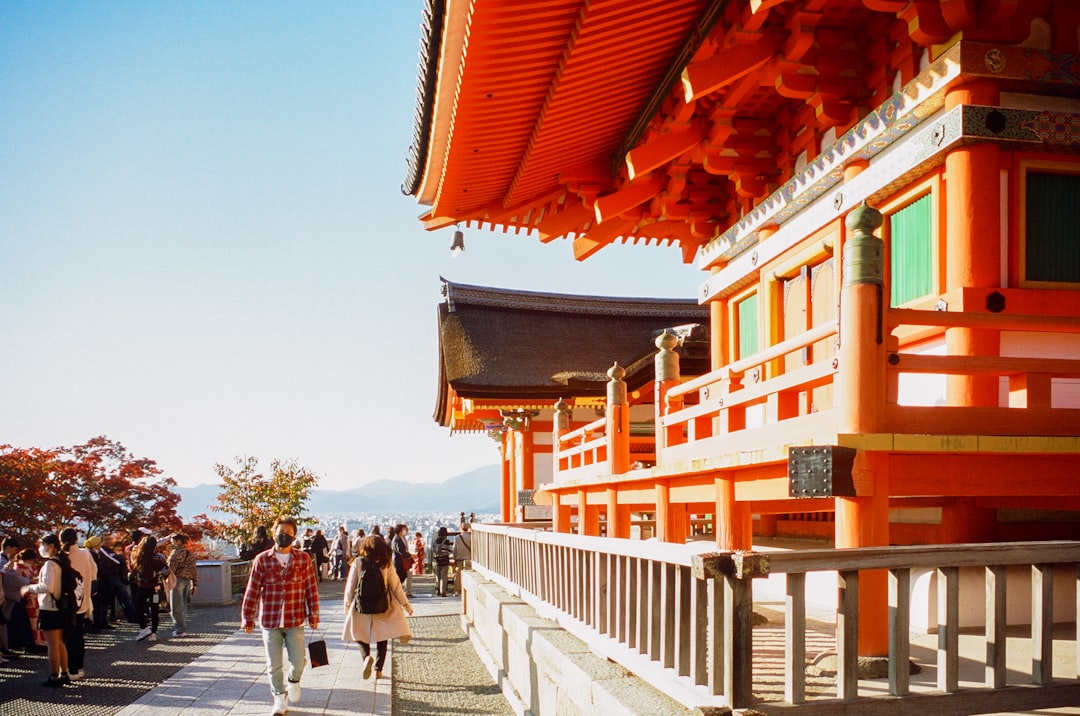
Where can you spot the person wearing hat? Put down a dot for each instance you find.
(181, 566)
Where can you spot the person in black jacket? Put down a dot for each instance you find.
(260, 542)
(320, 552)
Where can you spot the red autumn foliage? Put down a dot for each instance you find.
(98, 486)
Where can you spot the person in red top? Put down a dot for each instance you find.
(283, 585)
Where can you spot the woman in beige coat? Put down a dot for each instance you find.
(378, 628)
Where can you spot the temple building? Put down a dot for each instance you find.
(881, 196)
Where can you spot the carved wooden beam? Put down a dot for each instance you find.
(574, 216)
(925, 22)
(663, 149)
(600, 236)
(725, 67)
(612, 205)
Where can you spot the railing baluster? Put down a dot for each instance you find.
(601, 593)
(684, 616)
(996, 624)
(899, 631)
(795, 639)
(700, 630)
(1042, 623)
(644, 591)
(633, 586)
(738, 657)
(719, 636)
(655, 610)
(668, 605)
(847, 635)
(948, 651)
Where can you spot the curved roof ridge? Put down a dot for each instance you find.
(518, 299)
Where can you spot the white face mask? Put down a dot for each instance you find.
(43, 551)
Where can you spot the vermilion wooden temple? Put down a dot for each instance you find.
(882, 196)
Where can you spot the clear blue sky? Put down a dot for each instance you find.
(205, 252)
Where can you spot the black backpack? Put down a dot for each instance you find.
(371, 590)
(443, 549)
(71, 587)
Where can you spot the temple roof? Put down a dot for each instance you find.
(529, 346)
(663, 121)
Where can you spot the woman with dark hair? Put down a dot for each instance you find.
(147, 565)
(51, 619)
(365, 628)
(260, 542)
(402, 558)
(442, 548)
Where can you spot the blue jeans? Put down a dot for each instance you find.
(178, 601)
(292, 639)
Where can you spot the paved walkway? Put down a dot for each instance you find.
(219, 671)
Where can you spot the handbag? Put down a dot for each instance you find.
(317, 651)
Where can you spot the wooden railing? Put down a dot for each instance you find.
(584, 446)
(1031, 379)
(683, 620)
(726, 395)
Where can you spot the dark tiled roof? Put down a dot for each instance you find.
(521, 344)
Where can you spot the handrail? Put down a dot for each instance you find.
(682, 619)
(1000, 321)
(773, 352)
(595, 425)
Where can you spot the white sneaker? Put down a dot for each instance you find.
(152, 637)
(294, 692)
(280, 706)
(369, 663)
(143, 634)
(77, 675)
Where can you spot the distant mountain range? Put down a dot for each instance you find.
(475, 491)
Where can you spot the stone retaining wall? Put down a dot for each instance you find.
(544, 670)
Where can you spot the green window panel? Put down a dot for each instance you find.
(1052, 240)
(911, 252)
(748, 326)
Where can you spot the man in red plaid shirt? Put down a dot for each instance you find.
(283, 584)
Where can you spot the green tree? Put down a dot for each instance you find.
(258, 499)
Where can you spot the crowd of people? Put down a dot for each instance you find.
(282, 593)
(56, 592)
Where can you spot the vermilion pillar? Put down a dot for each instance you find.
(863, 521)
(617, 416)
(973, 242)
(507, 479)
(560, 516)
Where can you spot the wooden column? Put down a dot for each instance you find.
(861, 391)
(666, 364)
(618, 516)
(726, 527)
(973, 242)
(560, 516)
(618, 422)
(663, 511)
(588, 515)
(507, 479)
(528, 466)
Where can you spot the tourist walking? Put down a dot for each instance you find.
(418, 554)
(146, 568)
(462, 555)
(339, 550)
(443, 548)
(363, 627)
(181, 564)
(320, 552)
(283, 586)
(51, 618)
(74, 639)
(402, 558)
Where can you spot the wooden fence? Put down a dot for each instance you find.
(684, 620)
